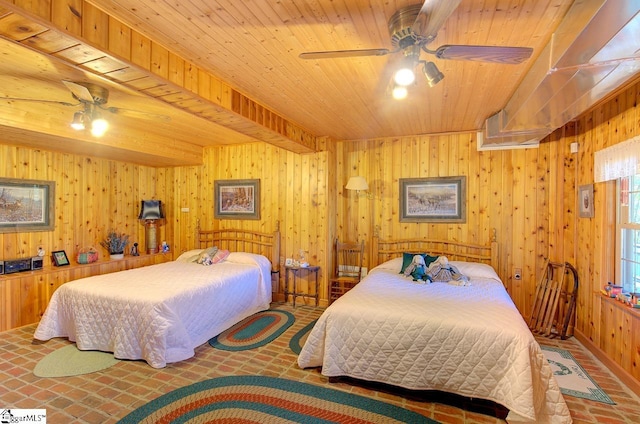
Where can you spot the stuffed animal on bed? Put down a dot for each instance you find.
(442, 270)
(417, 269)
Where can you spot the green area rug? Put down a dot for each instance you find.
(298, 339)
(572, 378)
(254, 331)
(69, 360)
(266, 399)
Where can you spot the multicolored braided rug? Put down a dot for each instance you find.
(254, 331)
(260, 399)
(298, 339)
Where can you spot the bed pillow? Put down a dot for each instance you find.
(189, 255)
(219, 256)
(392, 264)
(476, 270)
(407, 258)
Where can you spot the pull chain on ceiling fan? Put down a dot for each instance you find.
(412, 29)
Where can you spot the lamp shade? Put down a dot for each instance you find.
(151, 209)
(357, 183)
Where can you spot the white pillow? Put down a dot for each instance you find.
(476, 270)
(393, 264)
(188, 255)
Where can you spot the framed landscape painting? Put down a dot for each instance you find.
(439, 199)
(26, 205)
(237, 199)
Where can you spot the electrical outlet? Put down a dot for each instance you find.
(517, 273)
(281, 260)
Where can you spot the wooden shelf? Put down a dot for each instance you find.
(24, 296)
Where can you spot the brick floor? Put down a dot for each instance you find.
(108, 395)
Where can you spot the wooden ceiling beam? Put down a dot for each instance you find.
(88, 38)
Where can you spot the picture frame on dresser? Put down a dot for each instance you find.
(26, 205)
(59, 258)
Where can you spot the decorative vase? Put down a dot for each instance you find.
(115, 256)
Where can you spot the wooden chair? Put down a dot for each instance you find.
(348, 268)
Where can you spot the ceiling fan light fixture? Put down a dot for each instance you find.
(432, 73)
(404, 76)
(99, 126)
(78, 121)
(399, 92)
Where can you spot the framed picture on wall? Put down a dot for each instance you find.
(237, 199)
(440, 199)
(26, 205)
(585, 201)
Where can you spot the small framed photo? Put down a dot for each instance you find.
(60, 258)
(585, 201)
(288, 262)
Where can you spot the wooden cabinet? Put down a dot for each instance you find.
(24, 296)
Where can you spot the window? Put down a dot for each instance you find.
(628, 230)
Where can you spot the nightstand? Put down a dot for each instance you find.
(297, 272)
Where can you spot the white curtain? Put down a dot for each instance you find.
(620, 160)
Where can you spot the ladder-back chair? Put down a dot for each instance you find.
(348, 268)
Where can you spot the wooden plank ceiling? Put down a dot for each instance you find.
(249, 83)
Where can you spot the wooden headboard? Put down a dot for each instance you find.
(383, 250)
(236, 240)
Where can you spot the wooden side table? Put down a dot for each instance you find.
(297, 271)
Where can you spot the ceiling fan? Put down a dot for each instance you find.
(93, 98)
(412, 29)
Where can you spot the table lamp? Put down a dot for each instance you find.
(150, 212)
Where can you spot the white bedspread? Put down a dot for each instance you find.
(469, 340)
(159, 313)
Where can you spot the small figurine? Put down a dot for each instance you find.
(165, 247)
(134, 250)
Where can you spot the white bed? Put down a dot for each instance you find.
(161, 313)
(466, 340)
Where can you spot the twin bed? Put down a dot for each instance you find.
(161, 313)
(468, 340)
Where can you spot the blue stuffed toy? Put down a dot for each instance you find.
(417, 269)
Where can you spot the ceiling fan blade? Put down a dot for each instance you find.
(81, 92)
(136, 113)
(496, 54)
(432, 17)
(20, 99)
(344, 53)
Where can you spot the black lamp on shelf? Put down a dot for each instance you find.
(150, 213)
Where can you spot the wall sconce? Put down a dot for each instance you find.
(359, 184)
(150, 212)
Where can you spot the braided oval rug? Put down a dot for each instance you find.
(260, 399)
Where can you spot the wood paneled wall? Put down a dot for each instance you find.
(91, 196)
(611, 331)
(296, 194)
(510, 191)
